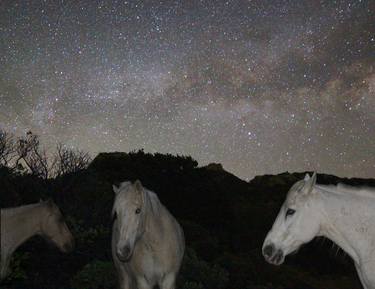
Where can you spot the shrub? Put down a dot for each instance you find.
(16, 270)
(199, 274)
(95, 275)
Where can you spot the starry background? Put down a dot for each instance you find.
(259, 86)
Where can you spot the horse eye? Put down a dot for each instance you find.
(137, 211)
(289, 212)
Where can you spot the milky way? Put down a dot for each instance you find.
(259, 86)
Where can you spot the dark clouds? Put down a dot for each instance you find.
(261, 86)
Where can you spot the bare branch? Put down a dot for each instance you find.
(69, 160)
(32, 155)
(7, 149)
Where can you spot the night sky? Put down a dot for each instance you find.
(259, 86)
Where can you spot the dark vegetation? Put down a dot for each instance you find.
(225, 220)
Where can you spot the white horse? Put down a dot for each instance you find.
(147, 242)
(344, 214)
(21, 223)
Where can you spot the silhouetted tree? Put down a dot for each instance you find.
(33, 156)
(68, 160)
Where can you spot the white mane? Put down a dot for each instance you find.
(154, 201)
(340, 188)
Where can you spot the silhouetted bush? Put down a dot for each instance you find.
(197, 273)
(95, 275)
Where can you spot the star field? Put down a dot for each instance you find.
(259, 86)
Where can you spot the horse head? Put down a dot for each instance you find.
(297, 223)
(55, 229)
(129, 211)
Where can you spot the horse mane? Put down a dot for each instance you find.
(153, 201)
(11, 211)
(340, 188)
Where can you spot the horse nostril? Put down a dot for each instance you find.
(278, 256)
(268, 251)
(126, 250)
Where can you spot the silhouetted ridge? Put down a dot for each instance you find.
(286, 178)
(214, 167)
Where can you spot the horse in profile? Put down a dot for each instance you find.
(147, 242)
(21, 223)
(343, 214)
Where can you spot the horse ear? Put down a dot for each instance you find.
(313, 179)
(138, 186)
(309, 183)
(115, 188)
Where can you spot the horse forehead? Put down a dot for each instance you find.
(125, 198)
(53, 208)
(297, 186)
(294, 192)
(56, 211)
(294, 198)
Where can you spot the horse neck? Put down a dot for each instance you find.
(342, 221)
(25, 223)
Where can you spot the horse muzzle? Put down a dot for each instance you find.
(69, 247)
(273, 255)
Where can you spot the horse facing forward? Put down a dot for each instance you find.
(21, 223)
(147, 242)
(344, 214)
